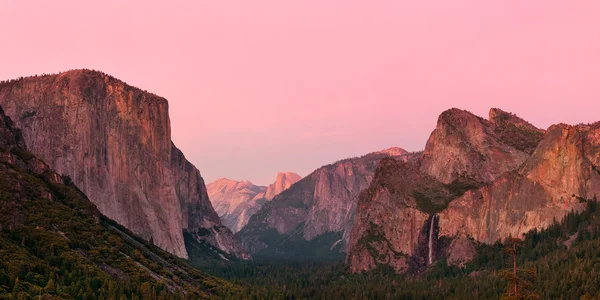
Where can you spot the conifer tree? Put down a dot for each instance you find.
(519, 280)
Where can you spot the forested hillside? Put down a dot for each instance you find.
(565, 258)
(54, 244)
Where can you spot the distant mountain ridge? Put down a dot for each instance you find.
(315, 215)
(236, 201)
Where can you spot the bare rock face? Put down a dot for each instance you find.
(461, 251)
(237, 201)
(10, 137)
(561, 172)
(13, 150)
(283, 182)
(388, 224)
(322, 202)
(231, 200)
(15, 161)
(466, 146)
(476, 178)
(114, 141)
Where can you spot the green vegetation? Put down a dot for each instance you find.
(54, 244)
(519, 137)
(293, 246)
(565, 257)
(433, 200)
(430, 201)
(374, 235)
(461, 185)
(202, 253)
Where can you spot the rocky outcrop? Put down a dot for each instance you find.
(114, 141)
(561, 172)
(461, 251)
(388, 223)
(10, 137)
(322, 202)
(13, 151)
(283, 182)
(237, 201)
(495, 176)
(465, 146)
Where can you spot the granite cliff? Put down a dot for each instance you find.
(561, 172)
(114, 142)
(465, 146)
(484, 180)
(236, 201)
(47, 221)
(283, 181)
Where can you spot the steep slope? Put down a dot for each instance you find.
(322, 204)
(114, 141)
(388, 220)
(236, 201)
(57, 245)
(465, 146)
(463, 154)
(559, 175)
(283, 181)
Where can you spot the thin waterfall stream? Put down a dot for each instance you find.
(431, 229)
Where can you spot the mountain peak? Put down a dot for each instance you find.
(459, 117)
(225, 185)
(393, 151)
(237, 201)
(282, 182)
(466, 145)
(500, 117)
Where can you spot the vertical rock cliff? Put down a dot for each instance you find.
(237, 201)
(467, 147)
(483, 179)
(388, 221)
(561, 171)
(283, 181)
(114, 141)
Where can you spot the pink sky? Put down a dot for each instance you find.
(257, 87)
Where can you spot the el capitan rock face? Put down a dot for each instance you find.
(503, 177)
(236, 201)
(322, 202)
(114, 141)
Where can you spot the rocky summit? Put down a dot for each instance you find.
(315, 215)
(237, 201)
(283, 181)
(114, 141)
(478, 181)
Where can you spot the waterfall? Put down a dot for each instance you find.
(431, 229)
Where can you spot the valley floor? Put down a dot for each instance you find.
(563, 271)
